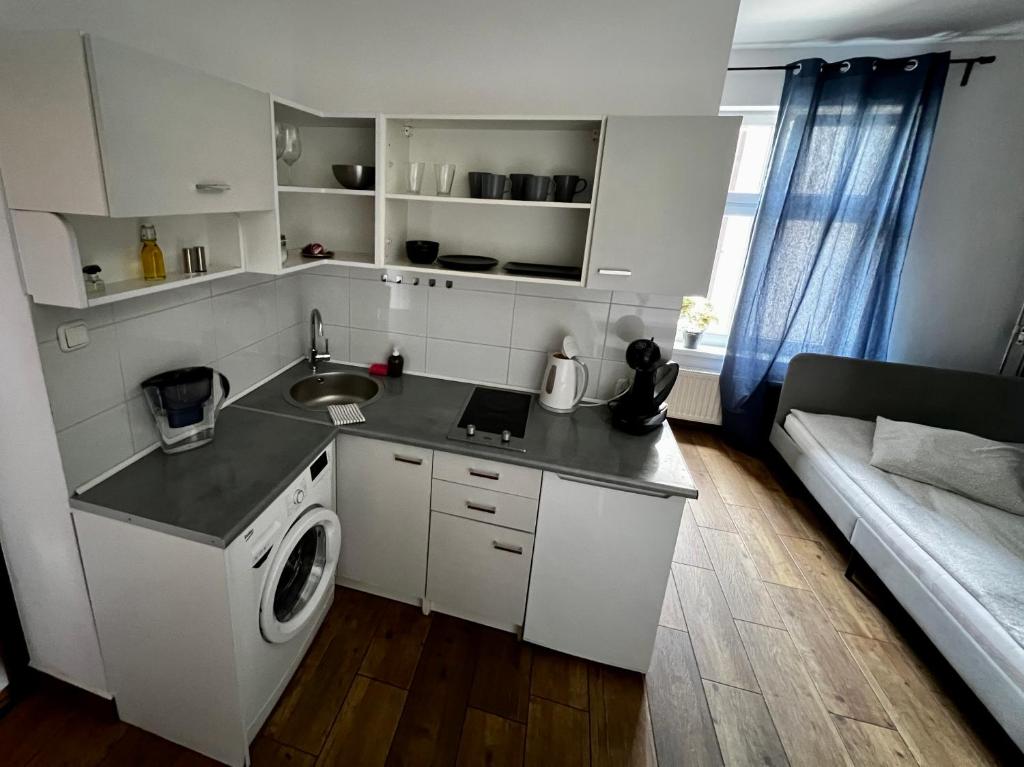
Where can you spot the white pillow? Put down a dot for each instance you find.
(971, 466)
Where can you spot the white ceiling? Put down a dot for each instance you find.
(780, 22)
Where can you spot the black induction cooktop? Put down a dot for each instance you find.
(494, 417)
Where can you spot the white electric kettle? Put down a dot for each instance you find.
(565, 379)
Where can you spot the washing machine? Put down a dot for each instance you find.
(281, 581)
(199, 642)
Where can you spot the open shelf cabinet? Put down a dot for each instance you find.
(311, 205)
(54, 248)
(545, 232)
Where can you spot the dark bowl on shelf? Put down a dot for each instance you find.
(422, 251)
(354, 176)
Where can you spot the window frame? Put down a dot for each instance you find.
(713, 345)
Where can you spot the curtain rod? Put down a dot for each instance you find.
(963, 80)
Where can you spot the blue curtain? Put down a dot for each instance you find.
(830, 236)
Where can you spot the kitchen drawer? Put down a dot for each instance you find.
(490, 475)
(483, 505)
(478, 571)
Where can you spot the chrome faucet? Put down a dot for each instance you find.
(316, 328)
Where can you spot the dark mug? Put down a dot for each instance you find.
(535, 188)
(518, 184)
(492, 186)
(566, 187)
(474, 183)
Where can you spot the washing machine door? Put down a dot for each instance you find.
(300, 575)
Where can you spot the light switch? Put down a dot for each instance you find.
(73, 335)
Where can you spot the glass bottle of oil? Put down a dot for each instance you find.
(151, 256)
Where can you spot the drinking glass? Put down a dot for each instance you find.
(415, 177)
(288, 144)
(445, 173)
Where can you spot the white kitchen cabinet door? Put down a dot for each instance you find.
(175, 140)
(600, 563)
(384, 506)
(478, 571)
(660, 203)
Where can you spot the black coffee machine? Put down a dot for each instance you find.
(643, 409)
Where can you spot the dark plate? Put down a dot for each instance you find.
(543, 270)
(325, 254)
(468, 263)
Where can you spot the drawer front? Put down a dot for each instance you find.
(483, 505)
(490, 475)
(477, 571)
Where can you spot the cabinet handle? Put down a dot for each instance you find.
(484, 474)
(481, 507)
(213, 187)
(613, 486)
(510, 548)
(408, 459)
(616, 272)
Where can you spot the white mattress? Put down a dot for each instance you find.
(955, 544)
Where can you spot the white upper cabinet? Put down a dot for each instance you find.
(176, 140)
(660, 204)
(97, 128)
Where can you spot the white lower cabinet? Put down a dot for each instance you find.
(600, 565)
(478, 571)
(384, 505)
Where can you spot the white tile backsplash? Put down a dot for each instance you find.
(251, 325)
(136, 307)
(526, 368)
(95, 445)
(369, 346)
(387, 307)
(471, 316)
(244, 317)
(542, 323)
(327, 293)
(472, 362)
(83, 382)
(140, 421)
(173, 338)
(47, 319)
(251, 364)
(628, 323)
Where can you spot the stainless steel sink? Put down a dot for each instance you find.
(320, 390)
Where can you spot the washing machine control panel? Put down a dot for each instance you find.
(296, 496)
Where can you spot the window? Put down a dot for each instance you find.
(753, 150)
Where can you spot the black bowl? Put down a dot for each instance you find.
(354, 176)
(422, 251)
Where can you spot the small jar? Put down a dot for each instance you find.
(94, 285)
(284, 249)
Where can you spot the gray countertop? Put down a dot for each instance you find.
(419, 410)
(212, 493)
(262, 443)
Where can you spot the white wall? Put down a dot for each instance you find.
(963, 282)
(35, 521)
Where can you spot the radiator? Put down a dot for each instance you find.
(695, 397)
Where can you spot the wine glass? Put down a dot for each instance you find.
(288, 144)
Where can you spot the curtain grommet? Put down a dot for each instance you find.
(910, 66)
(845, 67)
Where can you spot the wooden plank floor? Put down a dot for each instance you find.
(766, 655)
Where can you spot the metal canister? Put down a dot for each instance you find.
(194, 259)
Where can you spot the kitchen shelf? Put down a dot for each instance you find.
(125, 289)
(435, 269)
(324, 190)
(481, 201)
(297, 262)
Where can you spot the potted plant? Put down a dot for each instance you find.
(696, 314)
